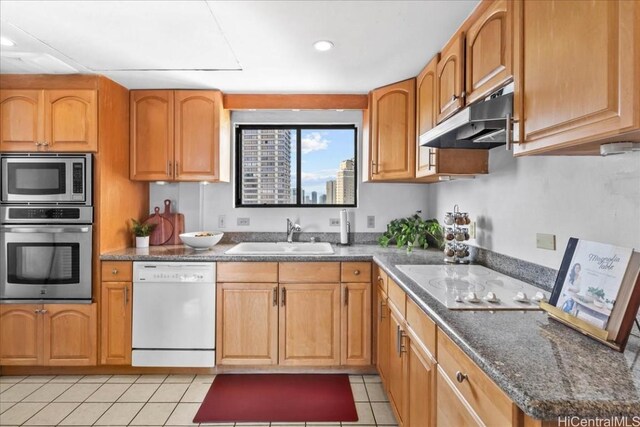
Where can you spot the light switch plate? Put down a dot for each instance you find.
(334, 222)
(244, 221)
(472, 230)
(371, 221)
(222, 221)
(546, 241)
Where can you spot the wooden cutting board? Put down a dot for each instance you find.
(177, 221)
(163, 230)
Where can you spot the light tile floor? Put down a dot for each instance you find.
(145, 400)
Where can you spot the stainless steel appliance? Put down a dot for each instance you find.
(474, 287)
(485, 124)
(29, 178)
(174, 314)
(46, 254)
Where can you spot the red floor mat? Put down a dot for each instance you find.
(278, 397)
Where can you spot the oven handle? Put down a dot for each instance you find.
(46, 230)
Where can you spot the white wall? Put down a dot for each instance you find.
(202, 205)
(594, 198)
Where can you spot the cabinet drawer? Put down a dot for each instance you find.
(357, 272)
(247, 272)
(482, 394)
(381, 279)
(422, 326)
(309, 272)
(397, 296)
(117, 271)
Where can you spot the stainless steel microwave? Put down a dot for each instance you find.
(46, 178)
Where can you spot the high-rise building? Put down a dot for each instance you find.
(331, 192)
(345, 184)
(266, 166)
(323, 199)
(314, 197)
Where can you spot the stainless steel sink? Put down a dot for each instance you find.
(281, 248)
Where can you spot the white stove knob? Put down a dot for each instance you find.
(491, 297)
(458, 298)
(472, 297)
(521, 297)
(539, 296)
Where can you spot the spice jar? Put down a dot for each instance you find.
(449, 252)
(449, 234)
(459, 235)
(448, 218)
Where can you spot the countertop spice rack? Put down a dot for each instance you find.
(456, 233)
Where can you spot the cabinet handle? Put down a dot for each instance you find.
(43, 311)
(275, 296)
(432, 152)
(454, 97)
(382, 304)
(114, 271)
(374, 168)
(346, 296)
(126, 296)
(284, 296)
(169, 168)
(508, 132)
(398, 340)
(36, 311)
(356, 272)
(176, 165)
(460, 377)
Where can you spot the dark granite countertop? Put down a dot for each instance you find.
(546, 368)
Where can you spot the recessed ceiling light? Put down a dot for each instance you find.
(323, 45)
(6, 42)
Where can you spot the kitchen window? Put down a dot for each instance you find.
(296, 165)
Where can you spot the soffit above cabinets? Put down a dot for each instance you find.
(236, 46)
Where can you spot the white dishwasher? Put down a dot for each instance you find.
(174, 314)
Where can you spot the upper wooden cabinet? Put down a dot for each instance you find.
(393, 132)
(426, 115)
(578, 82)
(53, 120)
(450, 78)
(489, 50)
(180, 135)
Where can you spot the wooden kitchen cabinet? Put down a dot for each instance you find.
(452, 409)
(393, 132)
(356, 324)
(180, 135)
(426, 115)
(450, 78)
(55, 120)
(396, 377)
(382, 336)
(310, 324)
(48, 334)
(420, 383)
(21, 332)
(247, 323)
(489, 46)
(569, 101)
(116, 314)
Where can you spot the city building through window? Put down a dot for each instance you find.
(297, 165)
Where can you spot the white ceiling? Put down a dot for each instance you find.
(235, 46)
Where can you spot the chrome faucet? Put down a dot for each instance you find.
(291, 228)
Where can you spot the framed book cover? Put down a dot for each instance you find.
(596, 290)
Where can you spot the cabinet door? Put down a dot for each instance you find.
(582, 94)
(450, 71)
(151, 127)
(396, 375)
(116, 323)
(420, 384)
(356, 324)
(21, 334)
(489, 48)
(70, 334)
(21, 120)
(393, 131)
(247, 324)
(452, 409)
(197, 151)
(426, 86)
(71, 120)
(310, 324)
(383, 321)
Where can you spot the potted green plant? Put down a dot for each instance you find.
(142, 232)
(413, 231)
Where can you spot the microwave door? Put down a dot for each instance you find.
(27, 180)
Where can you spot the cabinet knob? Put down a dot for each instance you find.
(356, 272)
(43, 311)
(36, 311)
(460, 377)
(114, 271)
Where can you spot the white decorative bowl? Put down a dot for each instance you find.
(201, 240)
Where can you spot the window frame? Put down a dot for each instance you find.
(298, 128)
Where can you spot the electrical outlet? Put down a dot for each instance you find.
(371, 221)
(472, 230)
(244, 221)
(546, 241)
(222, 221)
(334, 222)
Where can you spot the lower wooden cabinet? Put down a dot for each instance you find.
(356, 324)
(396, 377)
(247, 325)
(49, 334)
(382, 341)
(452, 408)
(116, 313)
(310, 324)
(420, 386)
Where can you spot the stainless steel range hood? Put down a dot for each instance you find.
(482, 125)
